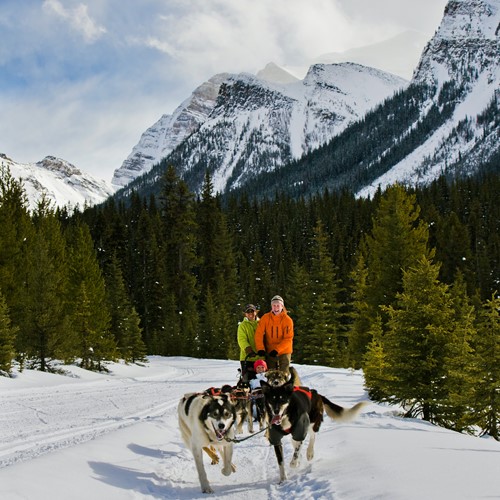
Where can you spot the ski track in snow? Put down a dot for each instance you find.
(64, 415)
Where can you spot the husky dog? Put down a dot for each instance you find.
(299, 411)
(206, 422)
(240, 397)
(278, 377)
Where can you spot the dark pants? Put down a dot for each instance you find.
(281, 362)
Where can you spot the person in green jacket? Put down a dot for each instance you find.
(246, 341)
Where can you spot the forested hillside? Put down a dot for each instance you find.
(403, 285)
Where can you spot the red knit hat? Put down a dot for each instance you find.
(260, 362)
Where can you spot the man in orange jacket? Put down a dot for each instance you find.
(274, 336)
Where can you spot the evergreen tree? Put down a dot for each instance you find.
(15, 235)
(379, 378)
(7, 338)
(397, 241)
(421, 328)
(218, 275)
(461, 376)
(89, 314)
(487, 346)
(325, 342)
(180, 260)
(43, 326)
(359, 336)
(124, 320)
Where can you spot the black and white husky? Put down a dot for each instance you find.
(298, 411)
(206, 422)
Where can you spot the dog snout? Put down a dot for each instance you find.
(221, 426)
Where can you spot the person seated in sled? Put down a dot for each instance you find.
(260, 367)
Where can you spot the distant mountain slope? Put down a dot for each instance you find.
(258, 125)
(446, 122)
(462, 61)
(61, 182)
(343, 126)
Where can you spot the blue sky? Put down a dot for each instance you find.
(82, 79)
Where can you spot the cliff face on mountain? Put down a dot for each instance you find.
(259, 123)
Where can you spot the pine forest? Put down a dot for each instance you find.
(403, 285)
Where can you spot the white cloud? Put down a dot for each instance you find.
(78, 19)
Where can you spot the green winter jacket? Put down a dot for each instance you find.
(246, 338)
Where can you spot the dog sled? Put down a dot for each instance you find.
(246, 371)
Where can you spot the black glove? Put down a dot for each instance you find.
(261, 353)
(250, 352)
(273, 353)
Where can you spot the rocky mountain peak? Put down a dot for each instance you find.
(57, 165)
(466, 39)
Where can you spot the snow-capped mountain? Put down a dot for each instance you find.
(169, 131)
(445, 121)
(258, 123)
(462, 61)
(61, 182)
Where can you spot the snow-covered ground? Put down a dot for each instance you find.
(115, 436)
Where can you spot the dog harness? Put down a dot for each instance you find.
(307, 392)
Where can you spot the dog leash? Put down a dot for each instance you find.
(235, 440)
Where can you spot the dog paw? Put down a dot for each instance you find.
(227, 471)
(310, 455)
(294, 463)
(207, 489)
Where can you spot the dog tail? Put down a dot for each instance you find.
(340, 414)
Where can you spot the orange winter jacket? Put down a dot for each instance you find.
(275, 332)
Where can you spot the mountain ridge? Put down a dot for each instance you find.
(63, 184)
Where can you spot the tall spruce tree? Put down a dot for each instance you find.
(420, 330)
(397, 241)
(7, 338)
(217, 274)
(88, 312)
(325, 343)
(179, 227)
(15, 234)
(486, 404)
(124, 320)
(43, 326)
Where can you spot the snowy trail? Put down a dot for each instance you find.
(115, 437)
(35, 423)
